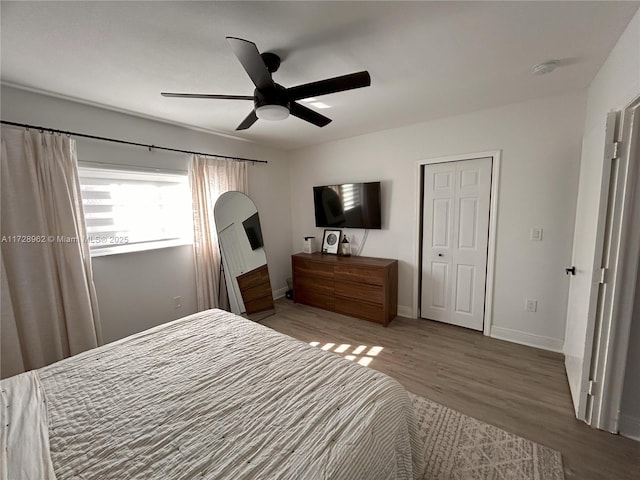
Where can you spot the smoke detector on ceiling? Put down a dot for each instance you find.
(546, 67)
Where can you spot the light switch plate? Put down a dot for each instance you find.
(535, 234)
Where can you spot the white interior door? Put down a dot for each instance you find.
(457, 198)
(592, 240)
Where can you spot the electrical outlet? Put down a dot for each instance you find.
(177, 302)
(531, 305)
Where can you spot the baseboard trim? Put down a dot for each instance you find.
(279, 293)
(404, 311)
(529, 339)
(629, 427)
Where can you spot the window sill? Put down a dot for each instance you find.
(138, 247)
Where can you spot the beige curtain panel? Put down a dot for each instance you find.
(209, 178)
(49, 307)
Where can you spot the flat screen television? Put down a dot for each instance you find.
(254, 232)
(350, 205)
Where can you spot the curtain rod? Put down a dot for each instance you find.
(115, 140)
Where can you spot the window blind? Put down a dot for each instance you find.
(127, 210)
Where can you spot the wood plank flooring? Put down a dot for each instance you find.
(520, 389)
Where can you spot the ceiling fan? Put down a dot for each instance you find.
(275, 102)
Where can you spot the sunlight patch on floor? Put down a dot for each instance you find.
(373, 351)
(356, 354)
(365, 361)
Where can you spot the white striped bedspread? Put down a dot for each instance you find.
(209, 396)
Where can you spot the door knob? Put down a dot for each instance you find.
(571, 270)
(440, 255)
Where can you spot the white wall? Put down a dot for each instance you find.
(540, 143)
(136, 290)
(616, 85)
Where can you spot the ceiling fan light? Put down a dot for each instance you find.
(272, 112)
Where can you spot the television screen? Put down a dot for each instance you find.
(254, 232)
(350, 205)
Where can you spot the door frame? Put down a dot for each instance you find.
(611, 336)
(493, 227)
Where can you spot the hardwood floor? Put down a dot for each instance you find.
(520, 389)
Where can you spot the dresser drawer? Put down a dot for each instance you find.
(258, 276)
(263, 290)
(360, 274)
(314, 284)
(257, 305)
(315, 299)
(355, 308)
(314, 269)
(359, 291)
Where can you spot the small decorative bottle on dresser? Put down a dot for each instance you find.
(345, 247)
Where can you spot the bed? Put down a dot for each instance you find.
(214, 396)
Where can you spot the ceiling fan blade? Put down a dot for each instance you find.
(250, 58)
(206, 95)
(330, 85)
(247, 122)
(309, 115)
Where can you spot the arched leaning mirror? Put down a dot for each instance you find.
(243, 257)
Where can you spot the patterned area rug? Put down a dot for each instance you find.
(458, 447)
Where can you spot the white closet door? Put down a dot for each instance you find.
(454, 243)
(437, 240)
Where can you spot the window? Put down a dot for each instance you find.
(129, 211)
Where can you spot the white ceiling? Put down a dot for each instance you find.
(427, 59)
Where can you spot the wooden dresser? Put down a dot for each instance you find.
(255, 289)
(362, 287)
